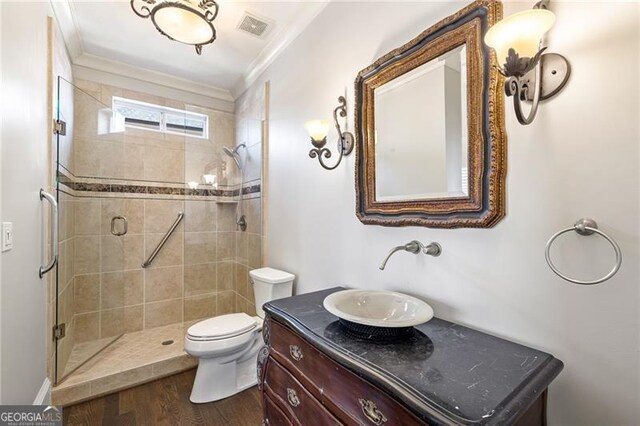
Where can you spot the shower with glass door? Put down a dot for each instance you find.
(155, 229)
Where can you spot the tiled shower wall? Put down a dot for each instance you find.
(143, 155)
(250, 130)
(202, 270)
(65, 271)
(192, 277)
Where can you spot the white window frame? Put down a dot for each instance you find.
(163, 111)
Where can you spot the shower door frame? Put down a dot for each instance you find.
(60, 330)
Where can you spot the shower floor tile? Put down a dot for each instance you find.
(82, 351)
(133, 359)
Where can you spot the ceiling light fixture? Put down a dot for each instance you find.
(181, 20)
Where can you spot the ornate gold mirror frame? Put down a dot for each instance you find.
(484, 205)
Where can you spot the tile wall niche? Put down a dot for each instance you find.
(201, 272)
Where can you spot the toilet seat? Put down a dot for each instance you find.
(221, 327)
(222, 337)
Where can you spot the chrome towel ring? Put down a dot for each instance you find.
(585, 226)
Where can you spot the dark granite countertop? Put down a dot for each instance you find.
(445, 373)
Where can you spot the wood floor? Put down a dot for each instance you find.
(166, 402)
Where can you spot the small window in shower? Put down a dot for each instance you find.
(142, 115)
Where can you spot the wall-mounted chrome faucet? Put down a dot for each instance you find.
(432, 249)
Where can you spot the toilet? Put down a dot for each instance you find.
(227, 345)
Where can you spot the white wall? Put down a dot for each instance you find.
(1, 105)
(579, 158)
(24, 171)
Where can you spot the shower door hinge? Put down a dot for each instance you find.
(59, 331)
(59, 127)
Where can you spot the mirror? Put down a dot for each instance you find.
(421, 147)
(430, 139)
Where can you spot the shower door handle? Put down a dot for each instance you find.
(113, 226)
(54, 233)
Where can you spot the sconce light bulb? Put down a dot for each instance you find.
(521, 32)
(317, 129)
(209, 179)
(192, 185)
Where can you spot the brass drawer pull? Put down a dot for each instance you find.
(371, 411)
(292, 396)
(296, 352)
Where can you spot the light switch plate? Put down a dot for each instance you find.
(7, 236)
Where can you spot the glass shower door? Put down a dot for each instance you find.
(90, 282)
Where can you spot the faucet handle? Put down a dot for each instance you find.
(414, 247)
(432, 249)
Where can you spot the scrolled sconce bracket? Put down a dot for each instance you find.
(544, 81)
(346, 141)
(542, 4)
(320, 152)
(519, 90)
(554, 73)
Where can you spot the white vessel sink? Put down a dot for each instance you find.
(378, 308)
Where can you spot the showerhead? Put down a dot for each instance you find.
(234, 153)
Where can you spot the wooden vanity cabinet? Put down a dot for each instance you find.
(308, 383)
(313, 374)
(302, 386)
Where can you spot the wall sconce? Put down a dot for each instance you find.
(318, 131)
(517, 40)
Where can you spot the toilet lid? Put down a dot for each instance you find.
(222, 326)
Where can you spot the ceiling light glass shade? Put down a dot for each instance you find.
(317, 129)
(181, 20)
(521, 32)
(183, 25)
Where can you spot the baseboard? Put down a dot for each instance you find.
(44, 394)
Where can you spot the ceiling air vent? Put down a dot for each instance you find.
(253, 25)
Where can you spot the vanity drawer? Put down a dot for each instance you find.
(293, 398)
(357, 402)
(303, 360)
(273, 413)
(351, 399)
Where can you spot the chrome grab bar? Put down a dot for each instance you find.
(54, 233)
(164, 240)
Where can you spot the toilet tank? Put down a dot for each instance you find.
(270, 284)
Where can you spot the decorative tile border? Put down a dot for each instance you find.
(154, 189)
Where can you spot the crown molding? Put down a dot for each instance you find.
(63, 11)
(65, 17)
(277, 45)
(99, 63)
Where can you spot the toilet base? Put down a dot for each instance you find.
(217, 380)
